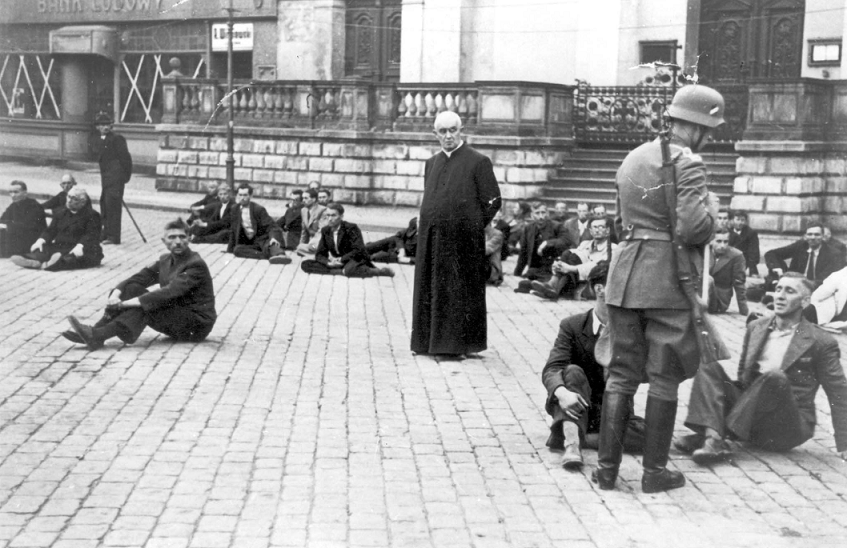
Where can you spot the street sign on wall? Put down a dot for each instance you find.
(242, 37)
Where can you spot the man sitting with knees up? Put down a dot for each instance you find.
(341, 249)
(784, 360)
(575, 382)
(183, 307)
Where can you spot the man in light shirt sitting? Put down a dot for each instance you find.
(784, 360)
(254, 235)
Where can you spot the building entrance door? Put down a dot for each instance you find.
(372, 48)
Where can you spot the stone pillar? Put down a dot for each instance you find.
(74, 81)
(311, 40)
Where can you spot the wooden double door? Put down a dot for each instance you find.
(372, 48)
(743, 39)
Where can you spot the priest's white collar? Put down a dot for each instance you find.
(449, 153)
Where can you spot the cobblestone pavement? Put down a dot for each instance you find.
(304, 421)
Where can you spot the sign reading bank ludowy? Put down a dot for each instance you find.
(99, 11)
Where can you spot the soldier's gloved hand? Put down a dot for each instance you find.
(38, 245)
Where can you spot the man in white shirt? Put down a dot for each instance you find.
(784, 360)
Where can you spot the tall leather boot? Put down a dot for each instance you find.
(613, 424)
(659, 419)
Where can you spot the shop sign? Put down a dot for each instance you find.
(242, 37)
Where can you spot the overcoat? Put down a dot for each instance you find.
(68, 229)
(460, 198)
(25, 221)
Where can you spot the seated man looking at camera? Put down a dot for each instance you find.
(341, 249)
(183, 306)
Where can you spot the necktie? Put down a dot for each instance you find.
(810, 267)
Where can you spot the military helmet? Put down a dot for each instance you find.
(698, 104)
(102, 118)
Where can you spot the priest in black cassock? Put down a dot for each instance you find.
(460, 198)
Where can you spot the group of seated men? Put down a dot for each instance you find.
(70, 242)
(312, 226)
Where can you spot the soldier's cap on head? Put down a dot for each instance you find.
(102, 118)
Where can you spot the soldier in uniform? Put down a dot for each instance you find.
(650, 324)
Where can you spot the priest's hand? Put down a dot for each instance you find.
(38, 245)
(77, 251)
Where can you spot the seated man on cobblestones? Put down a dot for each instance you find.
(311, 221)
(727, 272)
(21, 223)
(324, 196)
(784, 360)
(574, 265)
(210, 198)
(213, 225)
(254, 235)
(575, 382)
(399, 248)
(183, 306)
(291, 221)
(542, 241)
(71, 242)
(341, 249)
(493, 250)
(61, 199)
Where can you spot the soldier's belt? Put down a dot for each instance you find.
(649, 234)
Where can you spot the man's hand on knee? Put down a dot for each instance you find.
(571, 403)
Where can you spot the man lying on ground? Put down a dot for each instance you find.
(399, 248)
(183, 307)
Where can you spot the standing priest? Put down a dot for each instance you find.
(460, 198)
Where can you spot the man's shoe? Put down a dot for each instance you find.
(545, 290)
(689, 443)
(52, 261)
(23, 262)
(713, 450)
(85, 333)
(572, 459)
(279, 259)
(385, 271)
(107, 242)
(73, 337)
(664, 480)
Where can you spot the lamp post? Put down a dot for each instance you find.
(230, 141)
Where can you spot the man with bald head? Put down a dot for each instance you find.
(460, 198)
(59, 200)
(72, 241)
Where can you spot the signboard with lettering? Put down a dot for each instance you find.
(110, 11)
(242, 37)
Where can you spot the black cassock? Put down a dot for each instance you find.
(461, 196)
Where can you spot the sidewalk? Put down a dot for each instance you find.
(141, 193)
(304, 421)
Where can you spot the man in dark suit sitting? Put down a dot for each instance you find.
(254, 234)
(21, 223)
(809, 256)
(72, 241)
(213, 225)
(746, 240)
(341, 249)
(727, 273)
(784, 360)
(60, 200)
(183, 307)
(575, 381)
(399, 248)
(291, 221)
(542, 241)
(577, 227)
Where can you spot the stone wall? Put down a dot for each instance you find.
(787, 185)
(359, 167)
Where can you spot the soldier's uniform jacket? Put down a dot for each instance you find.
(643, 271)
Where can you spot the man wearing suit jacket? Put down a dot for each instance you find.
(311, 222)
(727, 271)
(183, 307)
(577, 227)
(254, 235)
(809, 256)
(115, 171)
(341, 249)
(21, 223)
(575, 382)
(72, 241)
(61, 199)
(784, 360)
(746, 240)
(213, 224)
(291, 221)
(542, 241)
